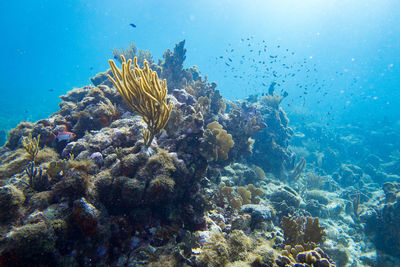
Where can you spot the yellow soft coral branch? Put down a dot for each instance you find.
(144, 93)
(31, 145)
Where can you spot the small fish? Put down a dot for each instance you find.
(271, 88)
(230, 59)
(133, 25)
(67, 136)
(51, 90)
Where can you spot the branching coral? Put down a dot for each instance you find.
(128, 53)
(31, 145)
(144, 93)
(131, 52)
(302, 231)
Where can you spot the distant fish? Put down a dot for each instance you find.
(51, 90)
(299, 134)
(271, 88)
(133, 25)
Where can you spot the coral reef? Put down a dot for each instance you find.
(210, 189)
(272, 152)
(11, 199)
(30, 244)
(383, 223)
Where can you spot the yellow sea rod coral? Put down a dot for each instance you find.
(144, 93)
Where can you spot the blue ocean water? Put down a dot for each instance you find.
(50, 47)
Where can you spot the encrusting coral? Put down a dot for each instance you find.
(144, 93)
(297, 256)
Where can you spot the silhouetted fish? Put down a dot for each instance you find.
(133, 25)
(271, 88)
